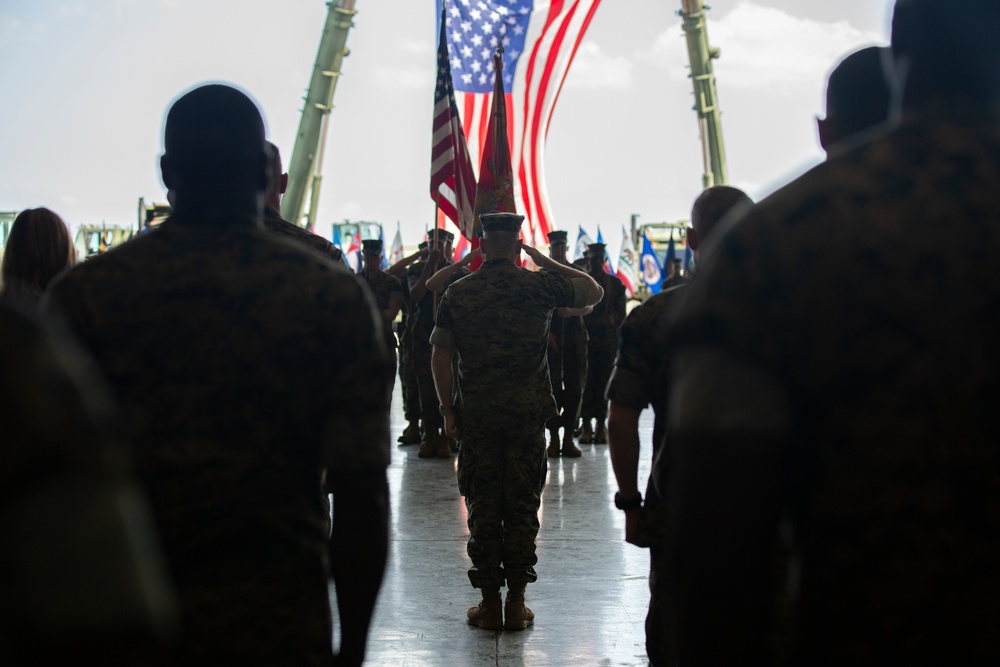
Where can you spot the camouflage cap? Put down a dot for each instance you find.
(371, 246)
(501, 222)
(558, 237)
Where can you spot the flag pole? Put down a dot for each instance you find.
(437, 199)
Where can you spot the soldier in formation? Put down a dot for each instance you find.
(496, 322)
(387, 290)
(567, 355)
(404, 332)
(435, 443)
(602, 331)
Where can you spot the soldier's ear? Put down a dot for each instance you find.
(825, 133)
(166, 173)
(284, 182)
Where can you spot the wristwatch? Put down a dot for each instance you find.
(446, 410)
(626, 504)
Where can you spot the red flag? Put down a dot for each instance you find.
(453, 182)
(495, 190)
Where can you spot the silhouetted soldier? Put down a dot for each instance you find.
(497, 321)
(857, 99)
(638, 382)
(567, 356)
(277, 181)
(387, 290)
(854, 410)
(245, 365)
(602, 330)
(407, 373)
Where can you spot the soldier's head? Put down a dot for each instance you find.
(710, 208)
(277, 181)
(214, 149)
(440, 240)
(501, 235)
(858, 96)
(946, 51)
(371, 253)
(558, 244)
(597, 255)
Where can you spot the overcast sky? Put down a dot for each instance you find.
(86, 84)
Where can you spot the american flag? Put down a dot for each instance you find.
(453, 181)
(540, 39)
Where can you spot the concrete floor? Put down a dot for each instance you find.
(591, 596)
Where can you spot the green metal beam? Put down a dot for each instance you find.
(307, 153)
(706, 97)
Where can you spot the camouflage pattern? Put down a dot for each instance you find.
(423, 325)
(602, 329)
(868, 288)
(497, 320)
(386, 288)
(568, 368)
(273, 222)
(407, 373)
(638, 381)
(244, 365)
(78, 558)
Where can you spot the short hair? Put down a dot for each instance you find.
(858, 95)
(713, 205)
(952, 50)
(214, 136)
(273, 167)
(38, 249)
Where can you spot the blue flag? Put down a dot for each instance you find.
(652, 272)
(582, 241)
(671, 252)
(688, 259)
(607, 260)
(336, 238)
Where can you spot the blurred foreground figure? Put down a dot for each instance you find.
(858, 96)
(39, 248)
(245, 364)
(839, 380)
(638, 382)
(82, 576)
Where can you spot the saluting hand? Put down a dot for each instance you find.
(536, 257)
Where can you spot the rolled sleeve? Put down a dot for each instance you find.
(442, 337)
(579, 292)
(627, 388)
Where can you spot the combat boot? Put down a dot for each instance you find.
(553, 449)
(429, 447)
(411, 435)
(487, 614)
(601, 434)
(586, 435)
(516, 615)
(444, 450)
(568, 448)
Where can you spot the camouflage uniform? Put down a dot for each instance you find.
(79, 566)
(568, 369)
(867, 290)
(273, 222)
(407, 374)
(423, 325)
(386, 288)
(602, 330)
(244, 365)
(637, 382)
(497, 320)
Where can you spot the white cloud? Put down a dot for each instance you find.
(70, 10)
(592, 68)
(9, 26)
(767, 49)
(415, 46)
(408, 78)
